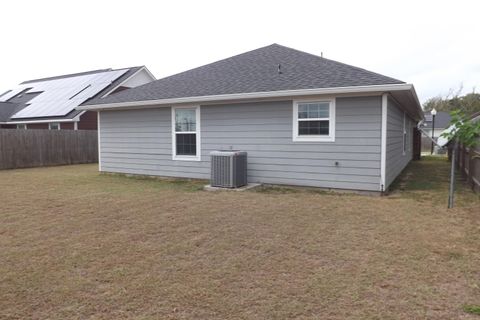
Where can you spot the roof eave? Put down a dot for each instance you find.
(43, 120)
(256, 95)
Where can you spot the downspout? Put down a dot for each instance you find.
(383, 153)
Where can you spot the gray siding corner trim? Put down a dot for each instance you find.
(383, 159)
(139, 141)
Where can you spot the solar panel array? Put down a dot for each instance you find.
(61, 96)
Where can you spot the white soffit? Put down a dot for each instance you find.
(61, 96)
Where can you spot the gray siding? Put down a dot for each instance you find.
(140, 142)
(396, 159)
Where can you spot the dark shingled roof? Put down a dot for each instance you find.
(12, 106)
(253, 71)
(9, 108)
(442, 120)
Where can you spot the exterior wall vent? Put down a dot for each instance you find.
(229, 169)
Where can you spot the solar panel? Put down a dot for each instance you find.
(4, 93)
(12, 93)
(61, 96)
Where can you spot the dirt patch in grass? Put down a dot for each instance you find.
(75, 244)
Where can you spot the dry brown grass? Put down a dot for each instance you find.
(78, 245)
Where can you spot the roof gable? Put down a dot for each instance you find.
(271, 68)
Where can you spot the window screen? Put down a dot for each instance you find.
(185, 132)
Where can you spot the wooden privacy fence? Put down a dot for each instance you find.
(37, 148)
(468, 162)
(417, 144)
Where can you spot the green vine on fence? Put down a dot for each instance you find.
(465, 132)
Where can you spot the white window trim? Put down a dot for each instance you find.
(50, 125)
(404, 136)
(314, 138)
(20, 124)
(197, 157)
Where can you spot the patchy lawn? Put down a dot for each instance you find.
(78, 245)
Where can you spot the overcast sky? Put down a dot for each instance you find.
(433, 44)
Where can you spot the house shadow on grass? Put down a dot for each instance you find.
(430, 173)
(428, 179)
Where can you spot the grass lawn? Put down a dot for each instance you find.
(75, 244)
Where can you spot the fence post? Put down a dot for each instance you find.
(452, 176)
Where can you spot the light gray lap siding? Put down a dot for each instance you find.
(140, 142)
(396, 159)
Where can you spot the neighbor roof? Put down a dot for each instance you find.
(67, 76)
(7, 109)
(14, 103)
(442, 120)
(271, 68)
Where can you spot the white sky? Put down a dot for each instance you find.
(433, 44)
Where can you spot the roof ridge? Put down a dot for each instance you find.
(214, 62)
(335, 61)
(196, 68)
(253, 71)
(77, 74)
(68, 75)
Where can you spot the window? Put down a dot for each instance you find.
(186, 133)
(21, 126)
(54, 126)
(314, 120)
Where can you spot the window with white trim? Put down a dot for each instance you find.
(54, 126)
(186, 133)
(314, 120)
(22, 126)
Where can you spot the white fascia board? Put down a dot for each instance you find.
(419, 105)
(251, 95)
(149, 73)
(77, 118)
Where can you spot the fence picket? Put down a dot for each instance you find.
(36, 148)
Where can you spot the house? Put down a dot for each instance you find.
(442, 122)
(303, 119)
(50, 103)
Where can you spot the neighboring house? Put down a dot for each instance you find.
(442, 121)
(303, 119)
(50, 103)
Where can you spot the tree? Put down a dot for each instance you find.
(465, 132)
(469, 103)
